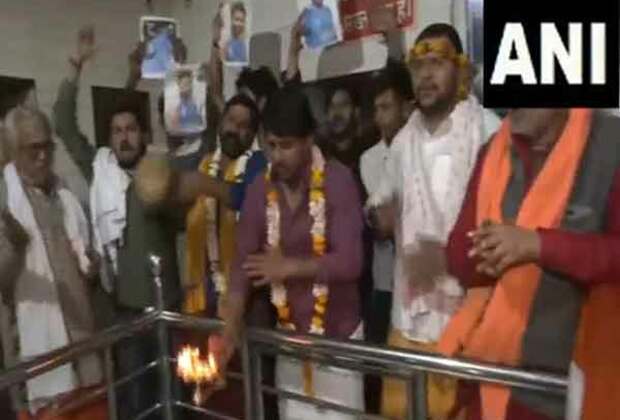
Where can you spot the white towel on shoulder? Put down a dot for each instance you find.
(108, 207)
(41, 324)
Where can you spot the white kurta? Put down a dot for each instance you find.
(335, 385)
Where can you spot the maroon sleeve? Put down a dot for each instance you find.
(459, 264)
(585, 257)
(344, 258)
(250, 235)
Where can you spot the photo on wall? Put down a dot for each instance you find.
(158, 33)
(320, 20)
(16, 91)
(107, 99)
(185, 94)
(236, 18)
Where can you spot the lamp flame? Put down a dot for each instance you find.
(192, 368)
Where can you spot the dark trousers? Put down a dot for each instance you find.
(133, 354)
(379, 317)
(377, 323)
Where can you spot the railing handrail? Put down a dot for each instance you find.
(364, 352)
(284, 342)
(39, 365)
(358, 351)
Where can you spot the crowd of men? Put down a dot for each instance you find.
(451, 233)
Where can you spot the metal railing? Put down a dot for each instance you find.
(411, 367)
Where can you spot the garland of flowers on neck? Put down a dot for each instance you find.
(213, 249)
(319, 244)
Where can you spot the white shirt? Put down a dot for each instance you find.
(372, 167)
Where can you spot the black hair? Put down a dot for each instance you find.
(437, 30)
(247, 102)
(128, 105)
(288, 113)
(238, 7)
(395, 76)
(261, 82)
(182, 74)
(353, 95)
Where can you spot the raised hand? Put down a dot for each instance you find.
(85, 48)
(179, 50)
(135, 59)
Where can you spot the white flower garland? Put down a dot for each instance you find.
(317, 210)
(213, 249)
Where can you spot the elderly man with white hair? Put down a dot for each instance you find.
(44, 270)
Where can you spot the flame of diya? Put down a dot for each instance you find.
(192, 368)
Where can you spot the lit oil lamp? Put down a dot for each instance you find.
(192, 368)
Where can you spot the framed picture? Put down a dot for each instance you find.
(158, 33)
(236, 18)
(185, 94)
(107, 99)
(320, 21)
(16, 91)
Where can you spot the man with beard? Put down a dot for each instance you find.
(215, 194)
(341, 138)
(430, 162)
(126, 233)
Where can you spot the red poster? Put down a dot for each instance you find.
(360, 18)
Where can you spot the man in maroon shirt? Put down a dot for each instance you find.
(304, 262)
(577, 256)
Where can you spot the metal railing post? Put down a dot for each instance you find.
(256, 378)
(110, 388)
(411, 401)
(246, 370)
(165, 377)
(421, 401)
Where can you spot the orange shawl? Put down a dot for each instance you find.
(491, 322)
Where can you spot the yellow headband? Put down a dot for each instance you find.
(442, 47)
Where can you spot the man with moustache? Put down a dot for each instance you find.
(419, 198)
(300, 235)
(45, 274)
(214, 195)
(125, 231)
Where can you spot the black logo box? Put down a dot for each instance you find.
(513, 93)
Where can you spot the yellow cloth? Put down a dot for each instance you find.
(196, 255)
(440, 392)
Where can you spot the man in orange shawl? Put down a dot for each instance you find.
(537, 246)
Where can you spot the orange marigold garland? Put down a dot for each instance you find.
(317, 207)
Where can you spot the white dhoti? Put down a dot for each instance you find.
(335, 385)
